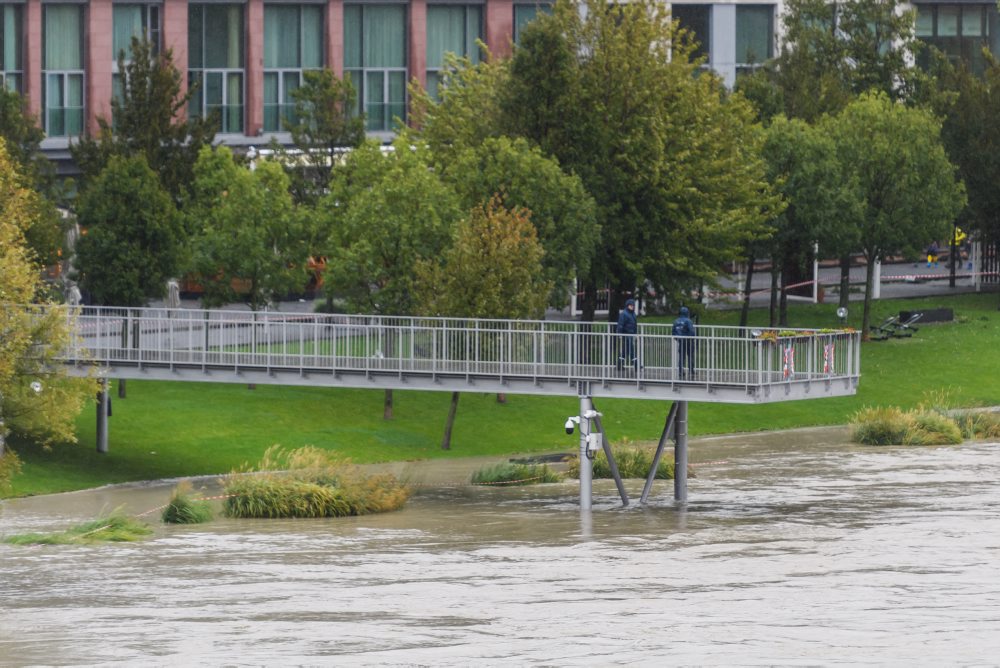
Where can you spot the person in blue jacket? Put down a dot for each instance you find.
(628, 327)
(685, 331)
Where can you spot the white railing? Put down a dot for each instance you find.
(456, 347)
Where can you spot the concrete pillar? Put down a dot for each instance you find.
(722, 46)
(586, 465)
(32, 83)
(877, 281)
(99, 56)
(255, 69)
(418, 41)
(102, 417)
(499, 28)
(335, 37)
(175, 39)
(681, 454)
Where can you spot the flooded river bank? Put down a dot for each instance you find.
(795, 548)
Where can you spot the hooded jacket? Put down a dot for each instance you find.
(627, 322)
(683, 325)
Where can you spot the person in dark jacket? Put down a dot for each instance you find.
(628, 327)
(685, 331)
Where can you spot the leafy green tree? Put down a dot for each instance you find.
(146, 121)
(322, 127)
(132, 235)
(493, 269)
(672, 163)
(249, 235)
(905, 189)
(562, 212)
(46, 411)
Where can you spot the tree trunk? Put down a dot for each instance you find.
(951, 258)
(772, 319)
(783, 296)
(845, 280)
(869, 280)
(446, 441)
(501, 398)
(387, 406)
(121, 388)
(745, 312)
(589, 302)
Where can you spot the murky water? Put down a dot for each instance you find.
(794, 549)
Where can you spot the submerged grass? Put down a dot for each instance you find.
(511, 473)
(116, 527)
(184, 509)
(633, 461)
(309, 482)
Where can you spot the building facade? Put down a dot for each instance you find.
(248, 56)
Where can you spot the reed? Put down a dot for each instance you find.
(309, 482)
(183, 508)
(893, 426)
(633, 461)
(510, 473)
(115, 528)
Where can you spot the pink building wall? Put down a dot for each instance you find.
(98, 59)
(254, 102)
(418, 42)
(499, 27)
(33, 46)
(175, 39)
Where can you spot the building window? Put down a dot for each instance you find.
(10, 47)
(754, 35)
(451, 29)
(215, 64)
(375, 61)
(293, 43)
(132, 20)
(525, 14)
(959, 31)
(62, 70)
(697, 21)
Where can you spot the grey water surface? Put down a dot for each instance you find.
(796, 548)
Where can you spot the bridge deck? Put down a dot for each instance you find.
(732, 365)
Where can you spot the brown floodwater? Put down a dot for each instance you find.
(795, 548)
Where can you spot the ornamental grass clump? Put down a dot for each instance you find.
(184, 509)
(893, 426)
(633, 462)
(309, 482)
(932, 428)
(115, 528)
(510, 473)
(979, 425)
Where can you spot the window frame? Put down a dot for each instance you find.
(480, 35)
(359, 76)
(16, 74)
(64, 77)
(284, 109)
(199, 107)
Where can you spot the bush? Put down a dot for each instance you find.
(116, 527)
(10, 466)
(510, 473)
(931, 428)
(979, 424)
(182, 509)
(633, 462)
(880, 426)
(309, 482)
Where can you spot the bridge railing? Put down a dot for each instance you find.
(550, 350)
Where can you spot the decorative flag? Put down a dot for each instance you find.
(789, 360)
(828, 351)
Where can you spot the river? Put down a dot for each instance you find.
(795, 548)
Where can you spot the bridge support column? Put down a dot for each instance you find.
(681, 453)
(102, 416)
(586, 464)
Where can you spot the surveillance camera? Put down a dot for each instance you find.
(569, 426)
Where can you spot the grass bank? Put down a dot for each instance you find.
(168, 429)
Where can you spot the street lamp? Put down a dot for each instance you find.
(842, 314)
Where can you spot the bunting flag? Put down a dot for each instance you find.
(828, 351)
(789, 359)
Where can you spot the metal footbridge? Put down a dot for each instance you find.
(731, 364)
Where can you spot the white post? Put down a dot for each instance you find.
(815, 273)
(977, 277)
(586, 465)
(877, 281)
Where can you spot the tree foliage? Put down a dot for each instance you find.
(28, 344)
(493, 269)
(249, 240)
(146, 121)
(322, 126)
(132, 241)
(905, 189)
(385, 212)
(561, 210)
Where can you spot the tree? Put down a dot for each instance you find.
(493, 270)
(28, 344)
(146, 120)
(132, 235)
(562, 212)
(905, 189)
(322, 127)
(672, 162)
(249, 235)
(384, 213)
(803, 167)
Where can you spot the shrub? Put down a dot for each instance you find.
(116, 527)
(633, 462)
(932, 428)
(979, 424)
(515, 474)
(880, 426)
(10, 466)
(309, 482)
(182, 509)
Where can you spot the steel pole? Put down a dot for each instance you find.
(102, 417)
(681, 454)
(586, 465)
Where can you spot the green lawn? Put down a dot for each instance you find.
(166, 429)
